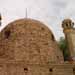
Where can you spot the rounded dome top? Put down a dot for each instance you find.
(30, 41)
(30, 23)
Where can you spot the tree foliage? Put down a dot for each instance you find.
(63, 46)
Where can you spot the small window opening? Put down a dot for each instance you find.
(52, 37)
(7, 34)
(58, 57)
(51, 70)
(66, 25)
(74, 71)
(25, 69)
(42, 28)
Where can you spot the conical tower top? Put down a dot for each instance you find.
(0, 19)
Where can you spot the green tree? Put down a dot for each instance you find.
(63, 46)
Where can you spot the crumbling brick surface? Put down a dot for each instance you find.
(31, 42)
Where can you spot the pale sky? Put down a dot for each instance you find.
(50, 12)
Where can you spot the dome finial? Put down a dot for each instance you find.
(26, 13)
(0, 19)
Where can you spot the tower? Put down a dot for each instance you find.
(69, 31)
(0, 19)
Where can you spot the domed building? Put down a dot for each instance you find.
(28, 47)
(30, 41)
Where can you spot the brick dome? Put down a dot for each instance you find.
(30, 41)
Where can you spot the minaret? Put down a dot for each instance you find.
(69, 31)
(0, 19)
